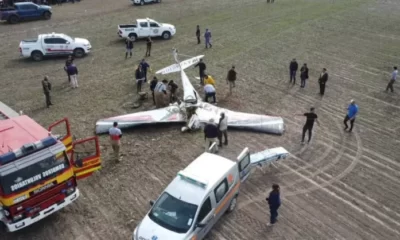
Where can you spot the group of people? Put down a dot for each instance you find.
(216, 131)
(207, 37)
(294, 66)
(129, 47)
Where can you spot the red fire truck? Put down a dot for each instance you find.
(39, 168)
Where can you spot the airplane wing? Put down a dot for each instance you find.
(240, 120)
(168, 114)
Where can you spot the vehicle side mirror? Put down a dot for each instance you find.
(151, 202)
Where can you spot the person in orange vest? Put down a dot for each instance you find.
(115, 136)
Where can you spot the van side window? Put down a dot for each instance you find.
(243, 164)
(221, 190)
(205, 210)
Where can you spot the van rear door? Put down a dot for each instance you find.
(244, 164)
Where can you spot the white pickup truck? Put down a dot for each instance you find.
(143, 2)
(146, 28)
(54, 44)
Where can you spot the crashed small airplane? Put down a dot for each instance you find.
(192, 110)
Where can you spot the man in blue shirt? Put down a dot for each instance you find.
(352, 111)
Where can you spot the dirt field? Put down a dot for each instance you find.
(341, 186)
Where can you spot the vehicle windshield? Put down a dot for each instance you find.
(173, 214)
(31, 175)
(68, 38)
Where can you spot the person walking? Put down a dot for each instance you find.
(139, 78)
(145, 66)
(352, 111)
(308, 126)
(323, 78)
(198, 34)
(209, 91)
(69, 61)
(148, 46)
(231, 78)
(72, 71)
(173, 87)
(303, 75)
(129, 47)
(207, 37)
(293, 70)
(202, 68)
(392, 80)
(210, 135)
(115, 138)
(209, 80)
(46, 90)
(160, 93)
(153, 84)
(223, 129)
(274, 202)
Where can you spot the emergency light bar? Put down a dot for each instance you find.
(27, 149)
(192, 179)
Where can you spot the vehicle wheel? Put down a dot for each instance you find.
(13, 19)
(166, 35)
(79, 52)
(142, 2)
(37, 56)
(3, 228)
(232, 205)
(46, 15)
(132, 36)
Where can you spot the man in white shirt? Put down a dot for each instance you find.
(209, 91)
(392, 80)
(115, 136)
(160, 93)
(223, 129)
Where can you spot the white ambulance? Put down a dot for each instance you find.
(199, 195)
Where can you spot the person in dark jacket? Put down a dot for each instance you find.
(139, 78)
(323, 78)
(202, 68)
(72, 71)
(173, 87)
(46, 90)
(303, 75)
(198, 34)
(231, 78)
(293, 69)
(145, 66)
(129, 47)
(148, 46)
(68, 62)
(211, 134)
(153, 84)
(274, 202)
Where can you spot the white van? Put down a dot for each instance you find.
(199, 195)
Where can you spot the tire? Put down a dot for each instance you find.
(46, 15)
(3, 228)
(132, 36)
(232, 205)
(142, 3)
(79, 52)
(166, 35)
(37, 56)
(13, 19)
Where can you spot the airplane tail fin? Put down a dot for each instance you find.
(181, 66)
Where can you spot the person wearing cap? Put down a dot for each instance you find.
(308, 126)
(129, 47)
(115, 136)
(210, 134)
(209, 91)
(223, 129)
(352, 111)
(160, 93)
(46, 90)
(293, 66)
(231, 78)
(323, 78)
(274, 202)
(392, 80)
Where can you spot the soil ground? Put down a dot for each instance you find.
(340, 186)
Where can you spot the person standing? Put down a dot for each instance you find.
(202, 68)
(303, 75)
(293, 70)
(210, 135)
(129, 47)
(115, 138)
(198, 34)
(160, 92)
(153, 84)
(274, 202)
(352, 111)
(68, 62)
(323, 78)
(392, 80)
(139, 78)
(209, 80)
(207, 37)
(145, 66)
(72, 71)
(308, 126)
(231, 78)
(223, 129)
(173, 87)
(148, 46)
(46, 90)
(209, 91)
